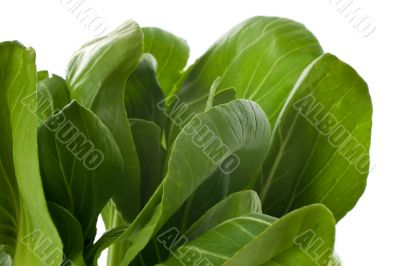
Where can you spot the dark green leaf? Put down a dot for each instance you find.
(143, 93)
(224, 96)
(81, 164)
(147, 137)
(106, 240)
(70, 232)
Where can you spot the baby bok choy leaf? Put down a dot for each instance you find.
(248, 157)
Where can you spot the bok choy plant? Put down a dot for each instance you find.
(250, 156)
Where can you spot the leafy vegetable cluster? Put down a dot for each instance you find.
(248, 157)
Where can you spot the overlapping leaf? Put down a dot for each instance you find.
(304, 237)
(96, 77)
(81, 165)
(238, 131)
(261, 58)
(171, 54)
(237, 204)
(178, 154)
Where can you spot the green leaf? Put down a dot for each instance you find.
(70, 232)
(236, 145)
(147, 137)
(25, 222)
(143, 93)
(106, 240)
(235, 205)
(97, 77)
(112, 220)
(159, 70)
(304, 237)
(108, 214)
(179, 169)
(171, 54)
(52, 95)
(320, 145)
(81, 164)
(215, 188)
(224, 96)
(261, 58)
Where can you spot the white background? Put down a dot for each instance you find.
(370, 234)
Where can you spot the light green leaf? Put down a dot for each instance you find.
(81, 164)
(24, 218)
(96, 77)
(112, 220)
(321, 142)
(238, 140)
(171, 54)
(261, 58)
(212, 93)
(108, 214)
(304, 237)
